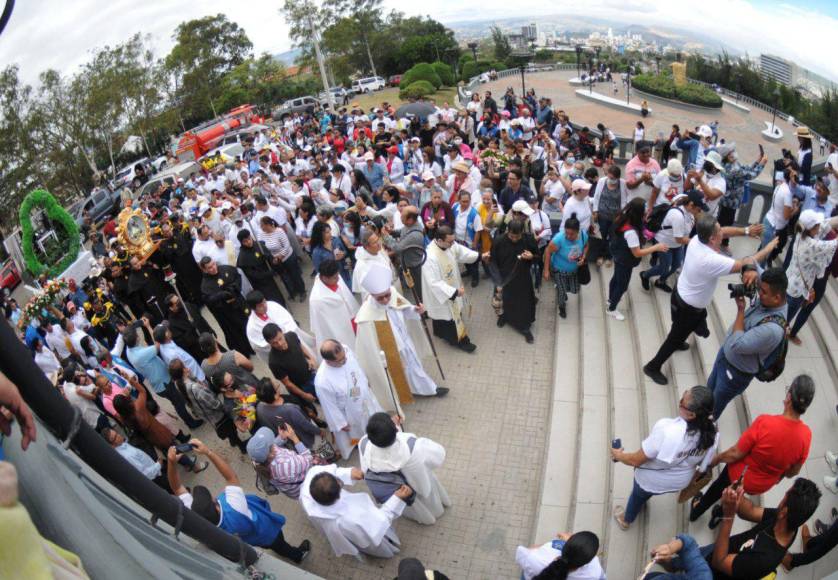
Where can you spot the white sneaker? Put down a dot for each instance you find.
(615, 314)
(832, 460)
(831, 483)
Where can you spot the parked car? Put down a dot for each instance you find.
(339, 94)
(99, 205)
(394, 80)
(298, 105)
(368, 84)
(221, 155)
(124, 176)
(168, 176)
(9, 275)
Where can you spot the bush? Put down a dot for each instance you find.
(664, 86)
(416, 90)
(421, 72)
(464, 58)
(472, 69)
(498, 66)
(445, 73)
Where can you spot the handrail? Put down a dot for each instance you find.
(55, 412)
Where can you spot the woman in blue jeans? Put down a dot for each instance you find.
(672, 453)
(682, 558)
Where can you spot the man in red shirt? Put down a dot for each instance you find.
(773, 447)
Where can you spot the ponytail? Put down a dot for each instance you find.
(702, 406)
(578, 551)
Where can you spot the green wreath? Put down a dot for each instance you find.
(58, 215)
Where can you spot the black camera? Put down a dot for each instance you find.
(741, 291)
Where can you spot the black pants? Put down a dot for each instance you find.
(817, 547)
(447, 331)
(727, 215)
(686, 319)
(292, 276)
(805, 312)
(712, 495)
(226, 429)
(171, 393)
(619, 284)
(473, 270)
(284, 549)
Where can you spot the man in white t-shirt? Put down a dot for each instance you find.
(783, 206)
(710, 180)
(703, 266)
(667, 185)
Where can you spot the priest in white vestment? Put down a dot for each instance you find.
(344, 394)
(332, 307)
(386, 449)
(368, 254)
(442, 288)
(262, 313)
(389, 323)
(351, 522)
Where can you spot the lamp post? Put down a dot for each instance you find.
(578, 55)
(658, 61)
(473, 47)
(597, 49)
(774, 115)
(628, 81)
(523, 69)
(738, 86)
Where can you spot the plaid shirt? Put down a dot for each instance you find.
(205, 403)
(736, 175)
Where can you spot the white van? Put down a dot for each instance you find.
(368, 84)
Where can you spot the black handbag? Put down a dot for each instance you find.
(583, 274)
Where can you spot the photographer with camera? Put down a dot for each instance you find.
(703, 265)
(755, 341)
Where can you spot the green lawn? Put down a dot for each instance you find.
(391, 95)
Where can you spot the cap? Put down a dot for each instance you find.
(674, 167)
(180, 180)
(226, 205)
(378, 279)
(415, 140)
(368, 156)
(726, 149)
(716, 159)
(505, 114)
(259, 446)
(460, 166)
(809, 218)
(523, 207)
(705, 131)
(697, 198)
(428, 175)
(580, 185)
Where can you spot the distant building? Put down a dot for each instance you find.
(774, 67)
(530, 33)
(790, 74)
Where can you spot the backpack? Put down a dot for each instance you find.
(263, 480)
(659, 212)
(383, 484)
(775, 363)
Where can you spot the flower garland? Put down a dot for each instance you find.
(47, 297)
(56, 214)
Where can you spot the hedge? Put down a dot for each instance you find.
(416, 90)
(421, 72)
(472, 69)
(59, 216)
(445, 73)
(664, 86)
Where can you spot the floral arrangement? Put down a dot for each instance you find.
(47, 297)
(245, 410)
(501, 159)
(60, 217)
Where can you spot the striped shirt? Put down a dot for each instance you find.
(277, 243)
(289, 468)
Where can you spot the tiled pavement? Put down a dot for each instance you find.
(493, 425)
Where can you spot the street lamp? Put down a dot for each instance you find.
(776, 102)
(628, 81)
(738, 85)
(597, 49)
(578, 55)
(658, 61)
(473, 47)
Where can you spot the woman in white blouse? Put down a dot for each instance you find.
(571, 557)
(672, 453)
(809, 260)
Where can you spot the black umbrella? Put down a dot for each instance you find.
(419, 109)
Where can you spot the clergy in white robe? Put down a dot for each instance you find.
(332, 307)
(368, 254)
(388, 323)
(344, 394)
(386, 449)
(262, 313)
(351, 522)
(442, 288)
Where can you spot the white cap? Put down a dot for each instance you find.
(368, 156)
(809, 218)
(378, 279)
(523, 207)
(674, 167)
(580, 185)
(705, 131)
(428, 175)
(226, 205)
(716, 159)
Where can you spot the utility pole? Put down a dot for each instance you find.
(315, 36)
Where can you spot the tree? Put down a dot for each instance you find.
(367, 16)
(205, 50)
(501, 44)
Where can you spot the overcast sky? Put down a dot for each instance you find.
(60, 34)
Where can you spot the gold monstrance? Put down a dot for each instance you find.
(134, 233)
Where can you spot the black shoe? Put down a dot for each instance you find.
(644, 281)
(820, 527)
(661, 285)
(196, 424)
(442, 391)
(529, 337)
(563, 311)
(684, 346)
(694, 505)
(501, 322)
(467, 346)
(703, 331)
(716, 517)
(474, 283)
(302, 297)
(655, 375)
(305, 547)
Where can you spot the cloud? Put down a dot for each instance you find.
(58, 34)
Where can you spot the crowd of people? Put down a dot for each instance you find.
(391, 212)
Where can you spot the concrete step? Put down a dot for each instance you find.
(622, 548)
